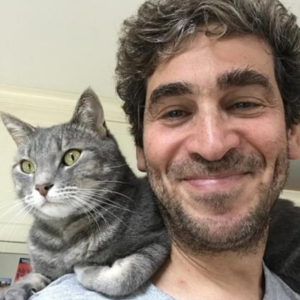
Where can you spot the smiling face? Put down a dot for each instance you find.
(216, 147)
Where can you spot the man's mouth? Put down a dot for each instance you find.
(216, 181)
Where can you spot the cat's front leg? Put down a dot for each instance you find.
(22, 289)
(126, 275)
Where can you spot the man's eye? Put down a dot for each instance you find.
(245, 105)
(246, 108)
(175, 114)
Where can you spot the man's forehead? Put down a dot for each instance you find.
(221, 60)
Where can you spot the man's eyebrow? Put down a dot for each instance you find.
(231, 78)
(243, 77)
(170, 90)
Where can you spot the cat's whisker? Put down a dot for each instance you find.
(78, 205)
(117, 166)
(72, 188)
(12, 224)
(10, 200)
(111, 213)
(94, 218)
(11, 207)
(108, 191)
(109, 202)
(84, 203)
(8, 227)
(69, 189)
(23, 213)
(13, 203)
(90, 193)
(7, 205)
(120, 194)
(30, 202)
(19, 212)
(99, 198)
(113, 181)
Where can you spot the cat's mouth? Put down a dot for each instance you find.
(55, 209)
(52, 202)
(46, 200)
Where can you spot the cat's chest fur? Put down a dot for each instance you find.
(70, 245)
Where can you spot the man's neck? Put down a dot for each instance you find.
(227, 276)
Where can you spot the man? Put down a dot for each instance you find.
(212, 90)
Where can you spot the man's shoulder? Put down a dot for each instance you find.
(275, 288)
(68, 288)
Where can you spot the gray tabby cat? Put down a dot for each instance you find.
(92, 215)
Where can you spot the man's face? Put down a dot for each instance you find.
(216, 148)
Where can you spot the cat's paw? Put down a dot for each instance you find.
(92, 277)
(120, 279)
(84, 274)
(22, 289)
(15, 294)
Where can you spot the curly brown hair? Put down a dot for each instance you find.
(162, 28)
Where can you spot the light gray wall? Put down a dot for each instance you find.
(62, 45)
(65, 45)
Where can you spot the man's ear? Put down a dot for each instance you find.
(294, 141)
(140, 158)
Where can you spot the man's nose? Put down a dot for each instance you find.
(213, 135)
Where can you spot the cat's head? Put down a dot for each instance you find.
(64, 170)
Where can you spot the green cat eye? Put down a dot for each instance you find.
(27, 167)
(71, 157)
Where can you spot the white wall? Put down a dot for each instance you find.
(291, 195)
(62, 45)
(65, 45)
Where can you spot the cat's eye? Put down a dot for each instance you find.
(27, 167)
(71, 157)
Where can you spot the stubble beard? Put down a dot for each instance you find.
(195, 235)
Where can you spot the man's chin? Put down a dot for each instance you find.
(219, 232)
(217, 206)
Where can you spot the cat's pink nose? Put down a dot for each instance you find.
(43, 188)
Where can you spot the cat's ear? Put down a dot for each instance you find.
(89, 112)
(19, 130)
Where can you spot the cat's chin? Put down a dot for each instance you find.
(54, 210)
